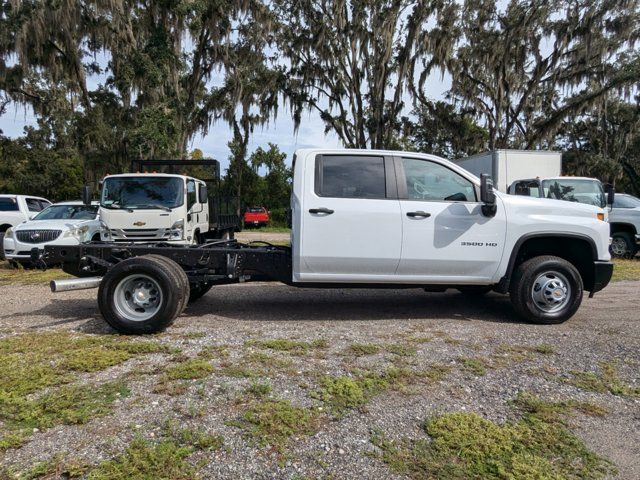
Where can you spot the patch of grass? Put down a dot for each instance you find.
(604, 380)
(273, 422)
(401, 350)
(54, 468)
(146, 460)
(420, 339)
(476, 366)
(193, 369)
(197, 438)
(31, 362)
(294, 347)
(348, 392)
(214, 351)
(436, 372)
(465, 445)
(625, 269)
(189, 370)
(362, 349)
(67, 405)
(259, 389)
(20, 276)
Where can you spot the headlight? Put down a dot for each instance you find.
(77, 232)
(8, 233)
(177, 229)
(104, 229)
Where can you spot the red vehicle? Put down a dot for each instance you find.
(256, 217)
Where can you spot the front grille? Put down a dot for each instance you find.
(140, 234)
(37, 236)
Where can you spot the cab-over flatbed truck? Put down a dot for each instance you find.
(368, 219)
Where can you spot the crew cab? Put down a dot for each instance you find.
(256, 217)
(370, 219)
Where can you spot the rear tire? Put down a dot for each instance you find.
(2, 257)
(143, 295)
(623, 245)
(546, 290)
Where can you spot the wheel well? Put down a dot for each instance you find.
(5, 227)
(623, 227)
(581, 253)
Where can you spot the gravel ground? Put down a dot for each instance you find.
(607, 328)
(257, 235)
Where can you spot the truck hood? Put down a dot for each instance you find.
(62, 224)
(148, 218)
(547, 206)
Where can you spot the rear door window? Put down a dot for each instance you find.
(350, 176)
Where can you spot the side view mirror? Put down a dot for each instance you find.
(86, 195)
(611, 194)
(202, 193)
(487, 195)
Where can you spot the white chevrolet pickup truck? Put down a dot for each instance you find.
(361, 219)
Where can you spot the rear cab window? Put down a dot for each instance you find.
(8, 204)
(350, 176)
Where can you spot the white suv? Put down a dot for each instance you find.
(67, 223)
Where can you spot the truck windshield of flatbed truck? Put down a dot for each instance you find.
(142, 192)
(589, 192)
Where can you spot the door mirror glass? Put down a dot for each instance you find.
(487, 195)
(86, 195)
(611, 194)
(202, 193)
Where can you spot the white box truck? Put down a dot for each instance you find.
(507, 166)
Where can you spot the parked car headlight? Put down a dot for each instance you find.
(104, 228)
(77, 232)
(8, 233)
(177, 229)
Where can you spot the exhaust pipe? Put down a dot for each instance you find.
(74, 284)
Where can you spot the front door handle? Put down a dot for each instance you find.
(326, 211)
(418, 214)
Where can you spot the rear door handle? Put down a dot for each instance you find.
(419, 214)
(326, 211)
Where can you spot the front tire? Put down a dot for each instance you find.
(546, 290)
(143, 295)
(623, 245)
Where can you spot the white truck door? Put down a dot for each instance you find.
(446, 238)
(351, 227)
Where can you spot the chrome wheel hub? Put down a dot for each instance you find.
(551, 292)
(137, 297)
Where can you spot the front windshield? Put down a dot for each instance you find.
(145, 192)
(582, 191)
(68, 212)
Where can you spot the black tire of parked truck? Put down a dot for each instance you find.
(2, 246)
(143, 295)
(623, 245)
(546, 290)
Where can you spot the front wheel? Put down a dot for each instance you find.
(622, 245)
(546, 290)
(143, 295)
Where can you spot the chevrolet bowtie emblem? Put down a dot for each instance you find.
(139, 224)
